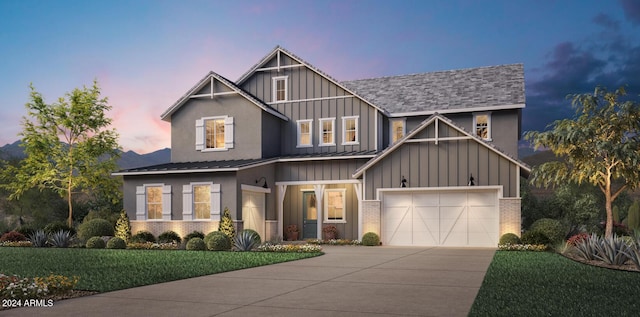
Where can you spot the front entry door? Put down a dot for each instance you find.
(310, 215)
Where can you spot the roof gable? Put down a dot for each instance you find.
(437, 128)
(214, 86)
(493, 87)
(280, 58)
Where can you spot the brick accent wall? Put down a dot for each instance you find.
(371, 213)
(510, 216)
(182, 228)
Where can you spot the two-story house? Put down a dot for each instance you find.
(423, 159)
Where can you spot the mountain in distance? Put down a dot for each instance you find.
(129, 159)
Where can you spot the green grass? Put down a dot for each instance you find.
(547, 284)
(107, 270)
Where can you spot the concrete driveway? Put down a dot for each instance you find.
(346, 281)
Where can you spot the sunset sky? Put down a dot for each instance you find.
(146, 54)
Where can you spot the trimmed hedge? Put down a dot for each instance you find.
(218, 241)
(95, 228)
(116, 243)
(370, 239)
(196, 244)
(95, 243)
(510, 238)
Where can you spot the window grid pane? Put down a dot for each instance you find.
(154, 202)
(214, 134)
(327, 132)
(335, 205)
(350, 130)
(398, 130)
(202, 201)
(280, 89)
(305, 133)
(482, 126)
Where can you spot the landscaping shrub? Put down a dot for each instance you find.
(633, 216)
(95, 228)
(116, 243)
(535, 237)
(218, 241)
(60, 238)
(226, 224)
(196, 244)
(510, 238)
(551, 228)
(370, 239)
(169, 236)
(143, 236)
(26, 230)
(246, 240)
(39, 239)
(13, 236)
(57, 226)
(123, 227)
(194, 234)
(95, 243)
(574, 239)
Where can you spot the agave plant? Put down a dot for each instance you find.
(586, 248)
(612, 250)
(38, 239)
(246, 240)
(634, 254)
(61, 239)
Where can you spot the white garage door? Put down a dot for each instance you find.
(441, 218)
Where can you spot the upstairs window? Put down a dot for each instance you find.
(280, 88)
(327, 132)
(350, 130)
(214, 133)
(397, 129)
(304, 133)
(482, 125)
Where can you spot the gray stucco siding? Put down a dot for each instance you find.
(247, 128)
(449, 163)
(227, 181)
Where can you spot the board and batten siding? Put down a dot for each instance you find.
(318, 170)
(328, 101)
(293, 204)
(446, 164)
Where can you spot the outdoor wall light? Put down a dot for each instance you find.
(471, 180)
(403, 182)
(265, 182)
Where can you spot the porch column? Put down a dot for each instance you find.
(319, 191)
(282, 190)
(357, 187)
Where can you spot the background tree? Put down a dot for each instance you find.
(69, 147)
(599, 145)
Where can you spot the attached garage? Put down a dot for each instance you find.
(435, 217)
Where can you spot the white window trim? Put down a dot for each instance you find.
(310, 121)
(201, 134)
(344, 130)
(333, 132)
(141, 201)
(325, 209)
(391, 132)
(187, 201)
(274, 91)
(488, 114)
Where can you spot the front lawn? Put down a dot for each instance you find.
(106, 270)
(547, 284)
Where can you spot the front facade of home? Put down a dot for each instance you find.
(423, 159)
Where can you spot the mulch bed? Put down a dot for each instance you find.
(628, 266)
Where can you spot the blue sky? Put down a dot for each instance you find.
(146, 54)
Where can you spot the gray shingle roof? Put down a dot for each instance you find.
(445, 91)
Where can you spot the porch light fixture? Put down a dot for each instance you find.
(265, 182)
(403, 182)
(471, 180)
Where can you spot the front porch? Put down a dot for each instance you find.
(311, 205)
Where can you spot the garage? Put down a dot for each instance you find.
(435, 217)
(253, 207)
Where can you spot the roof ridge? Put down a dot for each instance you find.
(434, 72)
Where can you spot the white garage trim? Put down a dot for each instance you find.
(450, 216)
